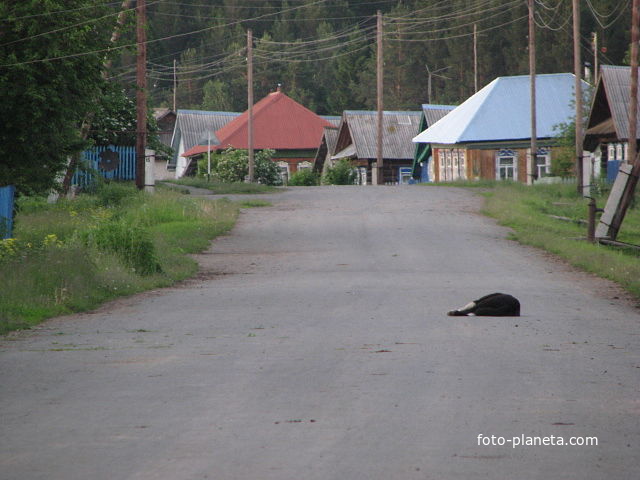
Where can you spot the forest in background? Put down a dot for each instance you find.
(323, 52)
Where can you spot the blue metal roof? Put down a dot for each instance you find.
(501, 111)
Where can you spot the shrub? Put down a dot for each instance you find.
(266, 170)
(130, 243)
(304, 178)
(342, 173)
(231, 166)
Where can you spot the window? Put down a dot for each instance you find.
(284, 172)
(463, 165)
(506, 165)
(404, 174)
(304, 165)
(543, 162)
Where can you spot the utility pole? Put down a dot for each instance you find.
(633, 104)
(629, 191)
(577, 67)
(250, 103)
(175, 85)
(141, 93)
(594, 44)
(533, 172)
(379, 86)
(475, 58)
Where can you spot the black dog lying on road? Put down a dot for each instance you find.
(494, 305)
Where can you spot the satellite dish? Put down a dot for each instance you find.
(109, 160)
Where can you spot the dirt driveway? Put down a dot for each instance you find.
(315, 345)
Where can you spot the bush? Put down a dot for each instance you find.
(231, 166)
(304, 178)
(342, 173)
(266, 170)
(131, 244)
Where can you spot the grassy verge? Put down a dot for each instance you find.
(530, 212)
(225, 188)
(76, 254)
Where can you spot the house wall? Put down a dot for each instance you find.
(480, 163)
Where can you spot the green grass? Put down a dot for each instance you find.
(225, 188)
(527, 211)
(73, 255)
(255, 203)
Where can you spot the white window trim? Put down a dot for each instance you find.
(507, 154)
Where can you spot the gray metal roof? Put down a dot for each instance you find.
(398, 130)
(192, 127)
(432, 112)
(194, 124)
(335, 120)
(501, 111)
(331, 137)
(617, 85)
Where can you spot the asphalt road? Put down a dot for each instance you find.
(315, 345)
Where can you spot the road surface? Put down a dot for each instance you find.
(315, 345)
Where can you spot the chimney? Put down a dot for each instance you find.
(279, 88)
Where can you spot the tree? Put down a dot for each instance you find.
(216, 96)
(48, 85)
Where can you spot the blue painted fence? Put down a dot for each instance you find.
(6, 211)
(111, 162)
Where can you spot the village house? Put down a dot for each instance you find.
(422, 160)
(488, 136)
(357, 141)
(327, 148)
(194, 127)
(280, 124)
(607, 133)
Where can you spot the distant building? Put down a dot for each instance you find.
(194, 127)
(607, 134)
(489, 135)
(279, 123)
(422, 161)
(357, 141)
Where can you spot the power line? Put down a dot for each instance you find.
(178, 35)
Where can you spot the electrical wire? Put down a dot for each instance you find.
(178, 35)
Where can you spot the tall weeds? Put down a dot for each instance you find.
(74, 254)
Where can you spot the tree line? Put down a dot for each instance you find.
(58, 97)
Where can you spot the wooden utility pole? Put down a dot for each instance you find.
(533, 169)
(250, 103)
(633, 104)
(379, 86)
(632, 158)
(577, 67)
(627, 180)
(175, 85)
(141, 93)
(594, 43)
(475, 57)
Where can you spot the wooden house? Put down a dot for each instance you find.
(607, 133)
(279, 123)
(326, 149)
(489, 135)
(422, 160)
(357, 141)
(194, 127)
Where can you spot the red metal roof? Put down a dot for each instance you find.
(279, 123)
